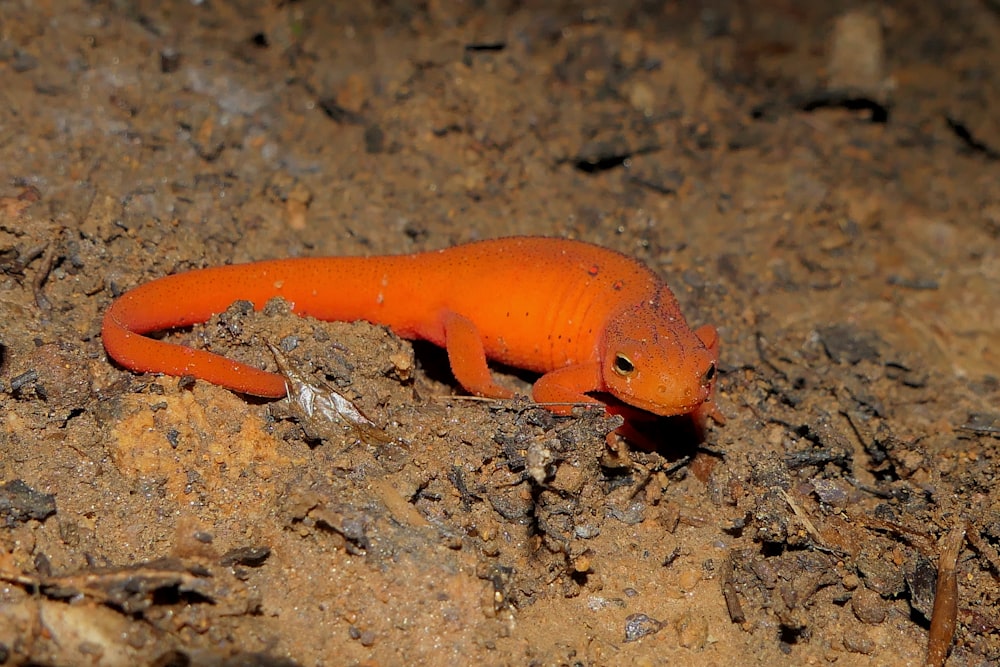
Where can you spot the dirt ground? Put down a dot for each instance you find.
(821, 181)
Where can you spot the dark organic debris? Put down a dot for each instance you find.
(19, 502)
(982, 423)
(846, 100)
(971, 142)
(134, 589)
(312, 509)
(845, 343)
(246, 556)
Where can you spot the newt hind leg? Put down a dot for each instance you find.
(467, 358)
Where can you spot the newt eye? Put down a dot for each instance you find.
(623, 365)
(709, 374)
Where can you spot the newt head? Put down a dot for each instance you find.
(652, 360)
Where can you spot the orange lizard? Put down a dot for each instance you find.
(587, 318)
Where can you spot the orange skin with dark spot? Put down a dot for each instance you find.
(587, 318)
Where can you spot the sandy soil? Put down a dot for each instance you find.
(819, 181)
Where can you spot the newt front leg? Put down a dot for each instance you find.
(568, 385)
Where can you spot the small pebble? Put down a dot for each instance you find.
(638, 626)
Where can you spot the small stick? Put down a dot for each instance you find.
(807, 522)
(945, 614)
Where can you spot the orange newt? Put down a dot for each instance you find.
(587, 318)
